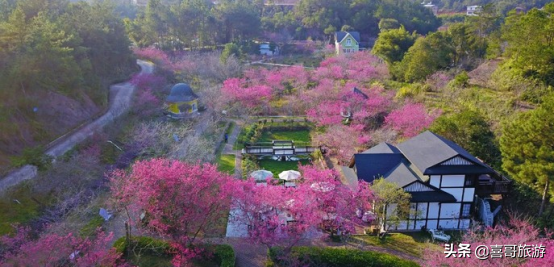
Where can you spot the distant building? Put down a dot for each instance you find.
(181, 100)
(347, 42)
(281, 2)
(434, 9)
(265, 49)
(140, 2)
(520, 10)
(474, 10)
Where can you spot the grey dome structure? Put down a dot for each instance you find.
(181, 92)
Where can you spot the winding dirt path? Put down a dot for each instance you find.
(120, 99)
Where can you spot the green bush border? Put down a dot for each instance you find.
(224, 254)
(334, 257)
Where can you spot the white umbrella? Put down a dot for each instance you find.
(322, 186)
(289, 175)
(261, 175)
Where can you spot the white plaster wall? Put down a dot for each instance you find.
(448, 224)
(432, 224)
(433, 210)
(453, 180)
(456, 192)
(435, 180)
(450, 210)
(468, 194)
(464, 223)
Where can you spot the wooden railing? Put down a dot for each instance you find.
(280, 148)
(502, 186)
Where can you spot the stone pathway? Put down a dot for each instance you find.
(228, 149)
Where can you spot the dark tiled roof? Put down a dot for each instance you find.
(428, 149)
(372, 166)
(402, 174)
(382, 148)
(339, 36)
(181, 92)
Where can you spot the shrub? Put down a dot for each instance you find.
(144, 244)
(90, 228)
(461, 80)
(314, 256)
(248, 165)
(224, 254)
(33, 156)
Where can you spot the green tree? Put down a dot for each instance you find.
(388, 24)
(466, 43)
(425, 57)
(531, 43)
(231, 49)
(240, 20)
(392, 203)
(527, 148)
(470, 130)
(391, 45)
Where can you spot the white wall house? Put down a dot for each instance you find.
(441, 177)
(433, 8)
(347, 42)
(265, 49)
(473, 10)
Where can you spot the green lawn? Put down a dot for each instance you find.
(412, 243)
(277, 167)
(296, 136)
(226, 163)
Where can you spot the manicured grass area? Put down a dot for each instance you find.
(226, 163)
(334, 257)
(296, 136)
(411, 243)
(277, 167)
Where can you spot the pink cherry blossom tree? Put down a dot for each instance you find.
(516, 231)
(178, 200)
(276, 215)
(58, 250)
(238, 90)
(342, 141)
(411, 119)
(147, 85)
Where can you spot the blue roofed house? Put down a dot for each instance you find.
(347, 42)
(442, 178)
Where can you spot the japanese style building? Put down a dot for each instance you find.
(444, 180)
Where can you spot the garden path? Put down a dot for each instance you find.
(228, 149)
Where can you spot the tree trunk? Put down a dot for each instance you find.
(544, 197)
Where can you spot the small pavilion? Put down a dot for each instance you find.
(182, 100)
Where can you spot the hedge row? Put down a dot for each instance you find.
(334, 257)
(224, 254)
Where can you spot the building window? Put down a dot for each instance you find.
(344, 50)
(348, 41)
(466, 208)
